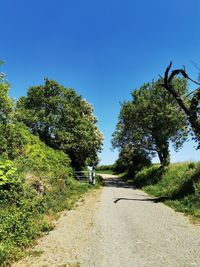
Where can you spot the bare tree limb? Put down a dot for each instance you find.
(191, 111)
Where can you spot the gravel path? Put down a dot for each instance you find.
(119, 226)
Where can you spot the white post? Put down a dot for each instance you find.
(93, 178)
(90, 174)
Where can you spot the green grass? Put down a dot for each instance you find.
(105, 171)
(177, 186)
(120, 175)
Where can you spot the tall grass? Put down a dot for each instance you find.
(178, 185)
(106, 169)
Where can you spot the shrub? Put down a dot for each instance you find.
(11, 182)
(8, 176)
(22, 205)
(148, 175)
(131, 161)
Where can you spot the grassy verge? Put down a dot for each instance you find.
(177, 186)
(120, 175)
(105, 172)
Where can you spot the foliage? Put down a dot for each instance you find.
(6, 104)
(38, 157)
(148, 175)
(63, 120)
(35, 183)
(130, 161)
(6, 108)
(21, 222)
(22, 205)
(11, 183)
(178, 185)
(7, 174)
(34, 186)
(149, 121)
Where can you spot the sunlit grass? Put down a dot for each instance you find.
(178, 185)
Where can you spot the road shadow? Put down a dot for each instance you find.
(154, 200)
(116, 182)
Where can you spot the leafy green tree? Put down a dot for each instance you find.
(63, 120)
(149, 121)
(131, 161)
(6, 119)
(6, 104)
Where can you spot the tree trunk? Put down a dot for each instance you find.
(163, 152)
(166, 156)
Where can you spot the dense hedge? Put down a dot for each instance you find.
(36, 182)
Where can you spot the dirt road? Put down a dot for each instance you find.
(119, 226)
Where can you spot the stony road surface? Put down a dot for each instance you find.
(119, 226)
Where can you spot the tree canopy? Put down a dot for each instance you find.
(131, 161)
(7, 133)
(63, 120)
(150, 122)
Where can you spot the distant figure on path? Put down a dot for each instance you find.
(91, 175)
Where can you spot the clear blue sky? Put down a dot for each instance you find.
(103, 49)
